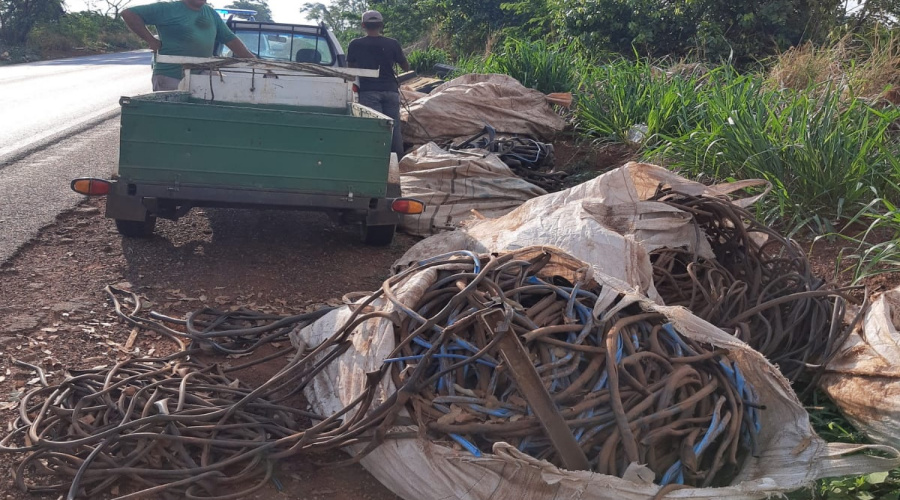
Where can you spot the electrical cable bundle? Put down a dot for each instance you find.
(759, 287)
(499, 348)
(626, 387)
(525, 156)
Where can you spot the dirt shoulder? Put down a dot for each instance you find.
(54, 312)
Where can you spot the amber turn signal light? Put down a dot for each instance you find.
(91, 187)
(407, 206)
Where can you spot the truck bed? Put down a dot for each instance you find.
(172, 139)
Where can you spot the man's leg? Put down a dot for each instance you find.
(391, 107)
(162, 83)
(371, 100)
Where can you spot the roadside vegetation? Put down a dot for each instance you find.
(818, 119)
(820, 125)
(33, 30)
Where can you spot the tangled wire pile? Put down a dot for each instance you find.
(759, 287)
(163, 423)
(497, 349)
(523, 155)
(627, 386)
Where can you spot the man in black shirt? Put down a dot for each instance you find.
(375, 51)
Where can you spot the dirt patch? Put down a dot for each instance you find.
(833, 259)
(584, 161)
(54, 312)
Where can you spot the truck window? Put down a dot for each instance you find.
(279, 46)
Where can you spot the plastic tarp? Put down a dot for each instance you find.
(464, 105)
(606, 222)
(453, 185)
(791, 455)
(864, 378)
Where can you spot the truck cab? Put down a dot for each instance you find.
(288, 42)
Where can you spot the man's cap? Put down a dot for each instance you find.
(372, 16)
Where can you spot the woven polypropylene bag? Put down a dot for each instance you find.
(791, 455)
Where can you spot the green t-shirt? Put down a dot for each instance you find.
(183, 31)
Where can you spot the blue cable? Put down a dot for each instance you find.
(467, 445)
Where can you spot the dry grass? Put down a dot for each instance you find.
(862, 67)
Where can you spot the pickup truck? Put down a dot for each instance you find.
(281, 131)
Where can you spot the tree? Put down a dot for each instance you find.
(17, 17)
(866, 13)
(468, 24)
(744, 31)
(263, 12)
(115, 7)
(342, 16)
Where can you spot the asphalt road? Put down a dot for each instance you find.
(58, 121)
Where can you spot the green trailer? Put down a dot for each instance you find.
(257, 135)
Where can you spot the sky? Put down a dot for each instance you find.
(283, 11)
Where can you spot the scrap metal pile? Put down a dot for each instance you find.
(619, 386)
(498, 349)
(759, 287)
(525, 156)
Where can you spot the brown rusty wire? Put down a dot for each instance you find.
(759, 287)
(628, 386)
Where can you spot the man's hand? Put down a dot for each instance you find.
(136, 24)
(239, 49)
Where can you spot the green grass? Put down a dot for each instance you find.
(821, 153)
(873, 250)
(88, 31)
(423, 61)
(548, 67)
(617, 97)
(833, 427)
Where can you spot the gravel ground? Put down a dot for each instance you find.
(53, 311)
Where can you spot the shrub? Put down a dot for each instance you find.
(82, 30)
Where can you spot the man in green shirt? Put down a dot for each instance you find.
(186, 28)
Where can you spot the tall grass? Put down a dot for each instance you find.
(617, 97)
(548, 67)
(860, 65)
(824, 150)
(871, 251)
(423, 61)
(820, 152)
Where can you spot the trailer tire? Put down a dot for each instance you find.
(137, 228)
(378, 236)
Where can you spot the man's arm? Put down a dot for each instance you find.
(351, 55)
(136, 24)
(239, 49)
(401, 59)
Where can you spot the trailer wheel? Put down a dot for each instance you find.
(379, 236)
(137, 228)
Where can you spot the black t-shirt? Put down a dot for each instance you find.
(376, 52)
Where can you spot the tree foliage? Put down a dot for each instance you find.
(342, 16)
(712, 28)
(263, 12)
(115, 7)
(866, 13)
(18, 17)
